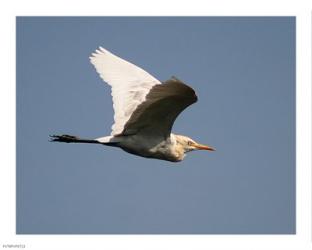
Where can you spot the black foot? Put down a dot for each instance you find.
(63, 138)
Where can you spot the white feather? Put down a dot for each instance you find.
(130, 84)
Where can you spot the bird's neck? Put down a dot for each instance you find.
(177, 148)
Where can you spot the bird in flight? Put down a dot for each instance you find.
(145, 110)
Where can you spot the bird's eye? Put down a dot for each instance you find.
(189, 143)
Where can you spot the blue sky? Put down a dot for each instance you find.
(243, 71)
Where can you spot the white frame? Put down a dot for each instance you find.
(302, 10)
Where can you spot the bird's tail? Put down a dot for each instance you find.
(71, 139)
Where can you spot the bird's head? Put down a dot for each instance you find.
(189, 144)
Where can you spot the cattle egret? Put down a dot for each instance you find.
(145, 110)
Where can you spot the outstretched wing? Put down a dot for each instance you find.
(156, 115)
(130, 85)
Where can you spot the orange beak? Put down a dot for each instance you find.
(203, 147)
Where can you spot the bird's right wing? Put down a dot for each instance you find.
(130, 85)
(156, 115)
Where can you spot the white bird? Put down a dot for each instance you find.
(145, 110)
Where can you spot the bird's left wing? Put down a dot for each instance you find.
(130, 85)
(156, 115)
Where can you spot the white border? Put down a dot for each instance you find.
(302, 240)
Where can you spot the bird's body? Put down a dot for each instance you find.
(145, 110)
(154, 147)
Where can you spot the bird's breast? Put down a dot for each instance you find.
(151, 147)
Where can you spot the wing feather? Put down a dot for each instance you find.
(156, 115)
(129, 83)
